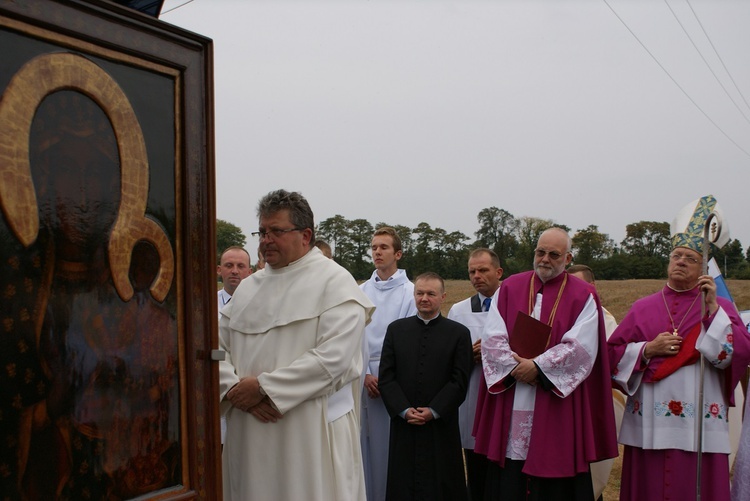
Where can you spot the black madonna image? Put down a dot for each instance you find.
(89, 345)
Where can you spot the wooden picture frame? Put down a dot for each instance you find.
(107, 256)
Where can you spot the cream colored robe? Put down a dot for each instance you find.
(299, 329)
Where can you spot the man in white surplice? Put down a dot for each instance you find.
(393, 295)
(485, 274)
(293, 336)
(233, 268)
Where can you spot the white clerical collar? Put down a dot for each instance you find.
(427, 321)
(681, 290)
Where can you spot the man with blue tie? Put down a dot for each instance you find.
(485, 274)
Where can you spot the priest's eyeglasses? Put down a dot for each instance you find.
(274, 232)
(684, 257)
(540, 253)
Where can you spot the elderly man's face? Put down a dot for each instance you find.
(551, 255)
(284, 247)
(685, 266)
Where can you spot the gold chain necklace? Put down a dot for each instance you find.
(532, 297)
(671, 320)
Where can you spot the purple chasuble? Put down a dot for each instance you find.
(567, 433)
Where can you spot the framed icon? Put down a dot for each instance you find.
(107, 254)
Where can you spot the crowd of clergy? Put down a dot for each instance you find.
(338, 391)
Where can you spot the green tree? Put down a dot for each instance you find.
(422, 248)
(614, 267)
(647, 239)
(437, 252)
(729, 258)
(743, 271)
(496, 231)
(358, 257)
(407, 241)
(621, 266)
(528, 231)
(228, 235)
(590, 245)
(456, 254)
(335, 231)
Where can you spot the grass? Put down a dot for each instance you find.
(617, 296)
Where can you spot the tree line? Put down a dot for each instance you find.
(643, 253)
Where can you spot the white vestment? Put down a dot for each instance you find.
(644, 424)
(298, 329)
(393, 299)
(474, 321)
(223, 298)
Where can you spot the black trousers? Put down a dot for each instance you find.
(511, 484)
(476, 474)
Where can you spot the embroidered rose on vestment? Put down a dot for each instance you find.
(715, 411)
(634, 407)
(675, 407)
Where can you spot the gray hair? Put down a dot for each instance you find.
(300, 213)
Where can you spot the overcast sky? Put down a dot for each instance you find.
(429, 111)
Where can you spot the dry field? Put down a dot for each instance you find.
(617, 296)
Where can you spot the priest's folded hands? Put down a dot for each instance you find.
(526, 371)
(418, 416)
(245, 394)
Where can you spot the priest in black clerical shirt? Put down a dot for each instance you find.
(424, 372)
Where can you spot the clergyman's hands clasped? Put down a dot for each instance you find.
(245, 394)
(418, 416)
(246, 397)
(266, 412)
(526, 370)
